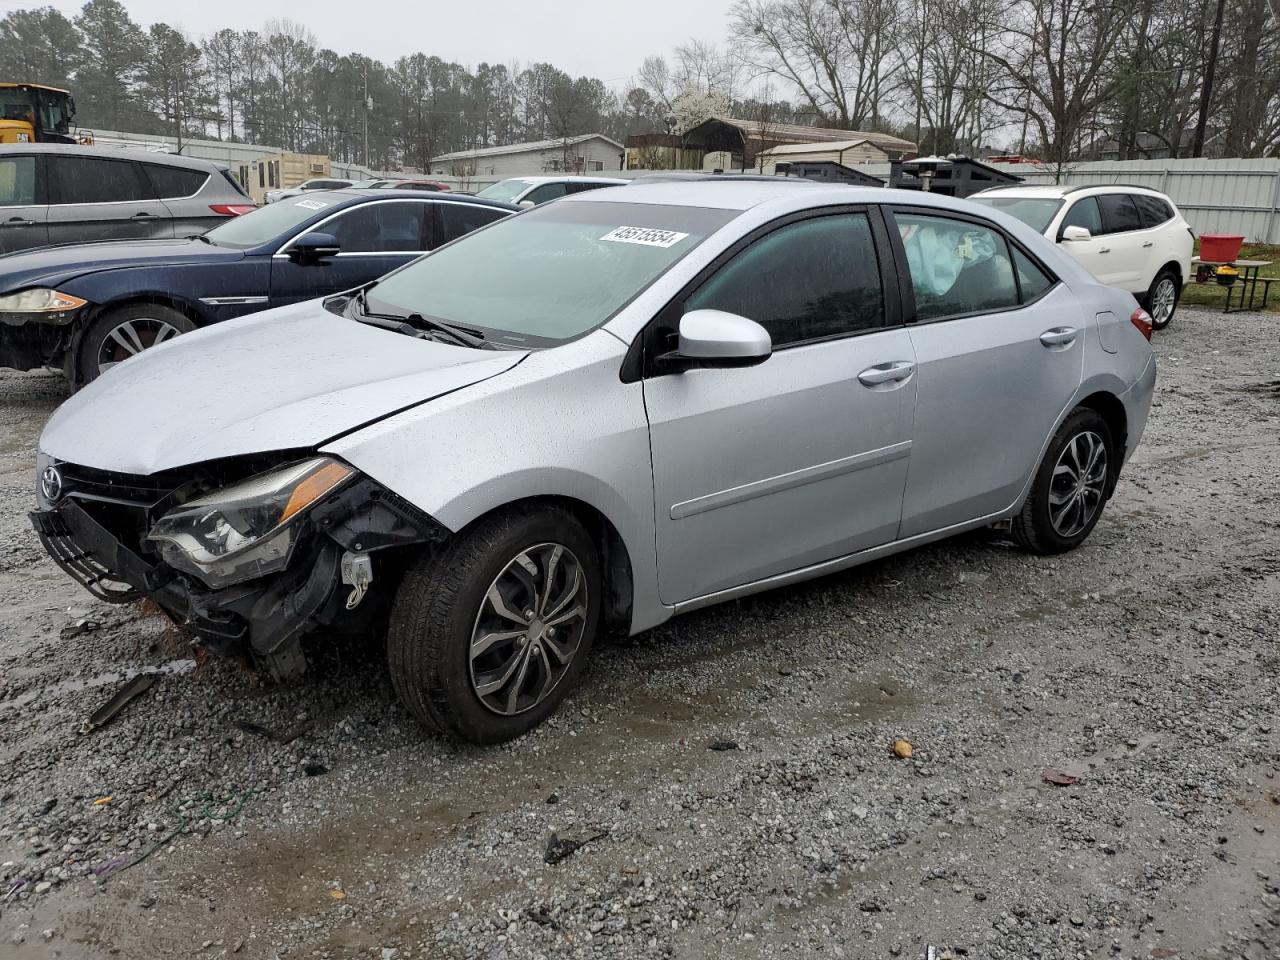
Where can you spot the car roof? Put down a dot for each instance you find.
(568, 178)
(114, 153)
(725, 193)
(352, 193)
(1057, 191)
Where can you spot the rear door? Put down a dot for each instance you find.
(1124, 239)
(761, 470)
(23, 212)
(374, 238)
(101, 198)
(179, 190)
(999, 348)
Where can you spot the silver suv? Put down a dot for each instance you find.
(56, 193)
(602, 412)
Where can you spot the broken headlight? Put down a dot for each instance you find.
(248, 529)
(49, 306)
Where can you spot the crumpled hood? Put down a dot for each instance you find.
(287, 378)
(50, 266)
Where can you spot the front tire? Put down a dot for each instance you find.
(489, 634)
(1070, 488)
(126, 331)
(1162, 299)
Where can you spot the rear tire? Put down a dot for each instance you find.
(490, 633)
(125, 332)
(1071, 486)
(1162, 298)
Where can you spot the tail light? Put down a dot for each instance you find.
(231, 209)
(1142, 320)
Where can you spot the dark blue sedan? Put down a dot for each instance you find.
(85, 307)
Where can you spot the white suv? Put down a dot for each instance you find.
(1128, 237)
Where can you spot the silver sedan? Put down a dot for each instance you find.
(600, 413)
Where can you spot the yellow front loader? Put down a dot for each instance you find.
(33, 113)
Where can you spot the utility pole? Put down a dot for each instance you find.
(368, 105)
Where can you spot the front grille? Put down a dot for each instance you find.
(76, 560)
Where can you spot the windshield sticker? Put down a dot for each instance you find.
(645, 236)
(311, 204)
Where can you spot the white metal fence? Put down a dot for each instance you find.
(1216, 196)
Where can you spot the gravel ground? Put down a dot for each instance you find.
(734, 767)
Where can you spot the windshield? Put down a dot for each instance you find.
(1036, 212)
(506, 190)
(551, 274)
(266, 223)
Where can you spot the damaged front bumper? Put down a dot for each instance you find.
(343, 543)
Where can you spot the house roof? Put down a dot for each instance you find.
(794, 133)
(825, 146)
(531, 147)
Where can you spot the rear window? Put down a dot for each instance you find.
(459, 219)
(1154, 210)
(94, 180)
(172, 183)
(506, 190)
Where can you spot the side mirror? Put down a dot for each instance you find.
(1076, 233)
(314, 247)
(714, 338)
(527, 204)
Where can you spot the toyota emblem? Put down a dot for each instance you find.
(51, 484)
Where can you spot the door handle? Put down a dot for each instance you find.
(1147, 244)
(895, 372)
(143, 215)
(1104, 249)
(1059, 337)
(18, 222)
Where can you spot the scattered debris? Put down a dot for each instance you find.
(314, 769)
(258, 730)
(1163, 953)
(558, 848)
(104, 714)
(722, 745)
(938, 953)
(903, 749)
(80, 627)
(338, 894)
(1058, 778)
(785, 671)
(553, 798)
(102, 801)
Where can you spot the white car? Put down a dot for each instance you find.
(320, 183)
(1129, 237)
(531, 191)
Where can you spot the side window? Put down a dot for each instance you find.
(457, 219)
(17, 181)
(380, 228)
(807, 280)
(90, 180)
(1119, 214)
(1031, 279)
(584, 186)
(548, 191)
(956, 267)
(1084, 213)
(173, 183)
(1154, 210)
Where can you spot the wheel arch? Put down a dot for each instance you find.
(71, 361)
(1173, 267)
(1108, 406)
(617, 570)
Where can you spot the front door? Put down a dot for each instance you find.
(93, 198)
(373, 239)
(999, 348)
(761, 470)
(23, 213)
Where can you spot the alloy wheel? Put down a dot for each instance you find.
(130, 337)
(1079, 480)
(529, 628)
(1163, 301)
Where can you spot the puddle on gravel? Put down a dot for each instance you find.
(78, 684)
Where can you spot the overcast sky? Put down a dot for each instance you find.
(601, 39)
